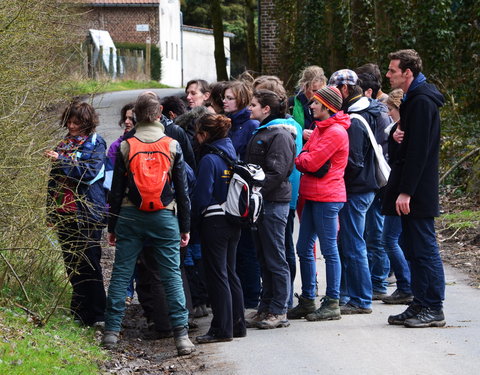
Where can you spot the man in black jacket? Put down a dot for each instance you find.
(412, 190)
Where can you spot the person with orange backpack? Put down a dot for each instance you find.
(144, 205)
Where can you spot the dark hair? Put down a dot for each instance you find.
(216, 94)
(147, 107)
(409, 59)
(201, 83)
(272, 83)
(372, 69)
(216, 126)
(242, 91)
(277, 103)
(368, 81)
(123, 113)
(85, 115)
(173, 104)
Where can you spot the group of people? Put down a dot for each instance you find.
(168, 178)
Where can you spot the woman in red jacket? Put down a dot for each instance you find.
(322, 162)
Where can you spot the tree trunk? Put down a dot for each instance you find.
(250, 6)
(217, 21)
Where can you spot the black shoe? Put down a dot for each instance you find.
(350, 309)
(410, 312)
(377, 296)
(426, 318)
(209, 338)
(398, 298)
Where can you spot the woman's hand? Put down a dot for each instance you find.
(52, 155)
(398, 135)
(307, 133)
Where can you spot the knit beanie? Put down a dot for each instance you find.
(330, 97)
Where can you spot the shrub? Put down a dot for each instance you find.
(156, 62)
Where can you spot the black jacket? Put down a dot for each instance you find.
(176, 132)
(273, 148)
(415, 169)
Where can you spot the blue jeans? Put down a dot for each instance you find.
(377, 257)
(419, 243)
(356, 283)
(319, 219)
(392, 228)
(132, 229)
(270, 244)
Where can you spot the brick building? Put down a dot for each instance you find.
(269, 48)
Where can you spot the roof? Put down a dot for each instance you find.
(202, 30)
(107, 3)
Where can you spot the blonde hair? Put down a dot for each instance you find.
(395, 98)
(311, 74)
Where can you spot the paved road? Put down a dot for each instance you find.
(357, 344)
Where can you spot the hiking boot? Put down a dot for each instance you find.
(305, 306)
(377, 296)
(110, 339)
(350, 309)
(427, 317)
(411, 311)
(182, 342)
(398, 298)
(274, 321)
(329, 310)
(252, 319)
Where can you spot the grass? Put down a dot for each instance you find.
(463, 219)
(87, 87)
(59, 348)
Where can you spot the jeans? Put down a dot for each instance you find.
(392, 228)
(270, 244)
(419, 243)
(290, 253)
(248, 269)
(356, 283)
(319, 219)
(132, 229)
(377, 257)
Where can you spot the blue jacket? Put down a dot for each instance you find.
(241, 131)
(295, 175)
(87, 173)
(213, 178)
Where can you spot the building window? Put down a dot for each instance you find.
(176, 50)
(171, 44)
(166, 50)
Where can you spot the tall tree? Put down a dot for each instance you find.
(250, 6)
(217, 21)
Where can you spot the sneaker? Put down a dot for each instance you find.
(305, 306)
(411, 311)
(391, 279)
(350, 309)
(210, 338)
(329, 310)
(274, 321)
(182, 342)
(398, 298)
(377, 296)
(110, 339)
(427, 317)
(252, 319)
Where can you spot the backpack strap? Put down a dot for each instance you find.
(214, 150)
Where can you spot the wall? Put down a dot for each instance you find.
(170, 43)
(199, 60)
(269, 50)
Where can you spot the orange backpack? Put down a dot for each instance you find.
(149, 167)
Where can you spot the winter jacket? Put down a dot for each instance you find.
(86, 174)
(188, 119)
(273, 148)
(176, 132)
(360, 170)
(177, 199)
(110, 164)
(213, 178)
(241, 131)
(329, 141)
(295, 175)
(301, 111)
(415, 168)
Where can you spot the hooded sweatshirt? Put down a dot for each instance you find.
(329, 141)
(241, 131)
(415, 170)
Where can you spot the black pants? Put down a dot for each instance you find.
(219, 243)
(82, 253)
(150, 290)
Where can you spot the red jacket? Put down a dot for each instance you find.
(329, 141)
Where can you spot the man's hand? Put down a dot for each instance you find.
(402, 204)
(111, 239)
(184, 239)
(398, 135)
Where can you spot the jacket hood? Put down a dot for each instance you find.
(186, 119)
(226, 145)
(426, 89)
(240, 116)
(340, 118)
(166, 122)
(286, 123)
(360, 105)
